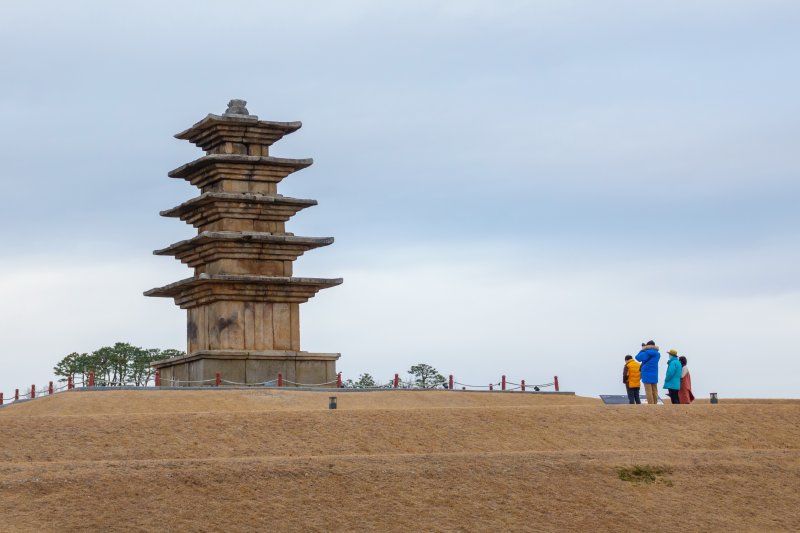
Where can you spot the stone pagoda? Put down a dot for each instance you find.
(243, 303)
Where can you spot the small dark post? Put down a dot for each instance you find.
(33, 391)
(50, 388)
(16, 395)
(217, 380)
(714, 398)
(396, 380)
(70, 382)
(158, 378)
(338, 383)
(522, 385)
(503, 382)
(1, 398)
(280, 380)
(555, 382)
(91, 379)
(450, 383)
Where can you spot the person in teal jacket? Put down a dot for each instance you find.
(672, 381)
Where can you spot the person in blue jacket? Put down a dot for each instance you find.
(672, 381)
(649, 357)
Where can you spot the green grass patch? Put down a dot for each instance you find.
(643, 474)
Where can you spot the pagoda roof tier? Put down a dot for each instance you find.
(212, 206)
(215, 130)
(209, 288)
(214, 245)
(214, 167)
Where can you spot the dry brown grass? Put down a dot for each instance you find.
(242, 460)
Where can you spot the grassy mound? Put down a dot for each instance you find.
(241, 460)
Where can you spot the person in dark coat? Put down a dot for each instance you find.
(649, 357)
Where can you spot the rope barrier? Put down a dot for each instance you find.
(45, 390)
(237, 383)
(309, 384)
(477, 386)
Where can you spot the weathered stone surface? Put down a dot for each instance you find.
(237, 107)
(246, 366)
(243, 312)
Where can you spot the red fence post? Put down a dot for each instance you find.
(1, 398)
(555, 382)
(339, 380)
(70, 382)
(491, 386)
(217, 380)
(280, 380)
(450, 383)
(503, 382)
(158, 378)
(522, 385)
(91, 379)
(50, 389)
(33, 391)
(16, 395)
(396, 380)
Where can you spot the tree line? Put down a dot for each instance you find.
(424, 377)
(125, 364)
(120, 364)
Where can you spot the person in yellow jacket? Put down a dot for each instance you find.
(632, 378)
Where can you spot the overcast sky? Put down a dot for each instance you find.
(519, 188)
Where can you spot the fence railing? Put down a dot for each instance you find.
(34, 392)
(396, 383)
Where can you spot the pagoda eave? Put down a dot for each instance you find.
(259, 201)
(239, 160)
(211, 207)
(209, 288)
(215, 129)
(249, 170)
(244, 238)
(209, 247)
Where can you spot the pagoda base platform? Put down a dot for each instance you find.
(249, 368)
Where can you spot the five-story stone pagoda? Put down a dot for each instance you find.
(243, 303)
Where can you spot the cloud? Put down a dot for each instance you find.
(528, 186)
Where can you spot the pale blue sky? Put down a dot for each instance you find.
(525, 188)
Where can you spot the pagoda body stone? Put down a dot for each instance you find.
(243, 304)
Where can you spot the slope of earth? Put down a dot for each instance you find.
(279, 460)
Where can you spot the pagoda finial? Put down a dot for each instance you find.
(237, 107)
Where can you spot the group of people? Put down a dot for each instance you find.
(643, 369)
